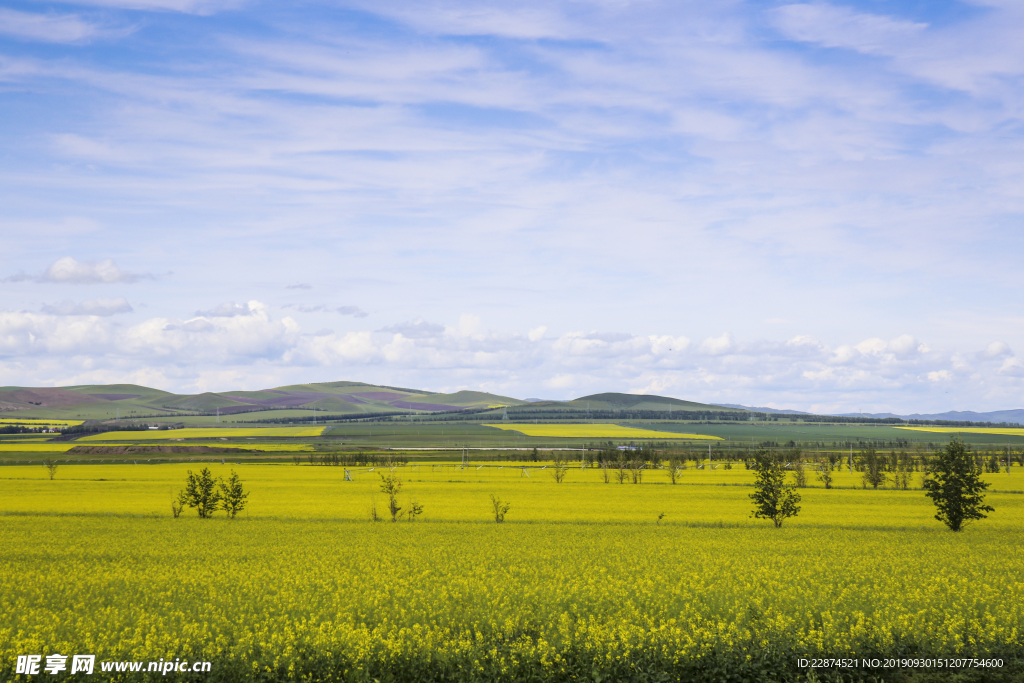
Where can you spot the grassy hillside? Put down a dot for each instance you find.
(104, 402)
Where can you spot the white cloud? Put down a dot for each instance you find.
(799, 372)
(873, 346)
(186, 6)
(417, 329)
(353, 311)
(68, 270)
(99, 307)
(716, 346)
(468, 324)
(537, 333)
(63, 28)
(904, 346)
(832, 26)
(560, 381)
(1012, 367)
(997, 349)
(228, 310)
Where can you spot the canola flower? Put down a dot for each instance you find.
(579, 583)
(596, 431)
(316, 600)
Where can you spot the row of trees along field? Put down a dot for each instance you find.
(953, 482)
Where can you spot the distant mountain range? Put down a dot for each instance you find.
(350, 399)
(353, 399)
(764, 410)
(952, 415)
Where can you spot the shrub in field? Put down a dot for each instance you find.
(201, 493)
(954, 484)
(178, 504)
(772, 498)
(232, 496)
(500, 508)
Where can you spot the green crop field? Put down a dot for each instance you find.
(585, 580)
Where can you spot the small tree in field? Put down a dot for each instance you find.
(796, 458)
(826, 470)
(500, 508)
(673, 469)
(232, 496)
(559, 468)
(390, 486)
(954, 484)
(874, 475)
(51, 467)
(772, 498)
(201, 493)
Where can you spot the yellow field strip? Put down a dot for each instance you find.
(597, 431)
(66, 446)
(211, 433)
(1009, 431)
(30, 422)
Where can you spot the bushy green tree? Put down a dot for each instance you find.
(954, 484)
(201, 493)
(874, 472)
(233, 497)
(772, 498)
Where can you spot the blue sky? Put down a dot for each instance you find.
(805, 205)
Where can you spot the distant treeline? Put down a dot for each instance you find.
(75, 431)
(354, 459)
(21, 429)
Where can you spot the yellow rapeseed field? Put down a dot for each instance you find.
(206, 433)
(67, 446)
(584, 581)
(596, 431)
(30, 422)
(1011, 431)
